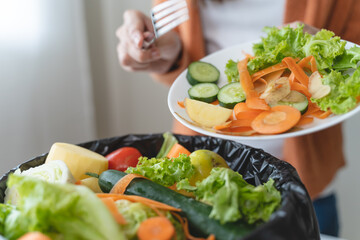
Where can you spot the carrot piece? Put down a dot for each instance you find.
(34, 236)
(321, 114)
(312, 107)
(223, 126)
(357, 99)
(240, 129)
(241, 111)
(216, 102)
(305, 120)
(274, 75)
(305, 62)
(278, 120)
(110, 204)
(176, 150)
(252, 97)
(271, 69)
(181, 104)
(300, 87)
(123, 183)
(134, 198)
(260, 85)
(185, 227)
(313, 64)
(156, 228)
(297, 70)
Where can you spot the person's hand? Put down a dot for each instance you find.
(158, 58)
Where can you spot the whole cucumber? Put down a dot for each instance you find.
(196, 212)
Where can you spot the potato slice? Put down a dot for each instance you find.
(206, 114)
(316, 87)
(276, 90)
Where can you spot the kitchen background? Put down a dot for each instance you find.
(60, 81)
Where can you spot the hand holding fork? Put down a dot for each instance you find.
(136, 52)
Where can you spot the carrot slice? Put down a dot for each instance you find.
(176, 150)
(34, 236)
(241, 111)
(297, 70)
(313, 64)
(181, 104)
(156, 228)
(216, 102)
(123, 183)
(271, 69)
(305, 120)
(321, 114)
(300, 87)
(305, 62)
(278, 120)
(110, 204)
(252, 97)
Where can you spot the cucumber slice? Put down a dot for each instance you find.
(231, 94)
(206, 92)
(202, 72)
(294, 99)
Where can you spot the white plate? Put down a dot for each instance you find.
(179, 89)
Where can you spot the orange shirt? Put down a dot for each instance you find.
(318, 156)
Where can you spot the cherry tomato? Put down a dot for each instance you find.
(123, 158)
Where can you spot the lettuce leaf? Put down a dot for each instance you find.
(231, 71)
(233, 198)
(163, 170)
(344, 90)
(325, 47)
(279, 43)
(169, 142)
(62, 211)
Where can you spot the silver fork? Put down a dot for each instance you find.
(166, 16)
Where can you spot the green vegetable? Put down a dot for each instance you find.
(344, 90)
(231, 71)
(325, 47)
(169, 142)
(202, 72)
(233, 198)
(206, 92)
(135, 213)
(279, 43)
(163, 170)
(62, 211)
(349, 59)
(196, 212)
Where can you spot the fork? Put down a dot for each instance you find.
(166, 16)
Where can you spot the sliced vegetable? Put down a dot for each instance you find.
(169, 141)
(78, 159)
(92, 183)
(34, 236)
(316, 88)
(231, 94)
(110, 204)
(278, 120)
(242, 111)
(294, 99)
(206, 114)
(276, 90)
(196, 212)
(252, 97)
(206, 92)
(123, 158)
(176, 150)
(202, 72)
(156, 228)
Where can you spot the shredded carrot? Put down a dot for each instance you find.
(271, 69)
(312, 107)
(321, 114)
(176, 150)
(185, 227)
(300, 88)
(78, 182)
(241, 111)
(313, 64)
(216, 102)
(252, 97)
(123, 183)
(110, 204)
(223, 126)
(305, 120)
(134, 198)
(300, 75)
(156, 228)
(181, 104)
(305, 62)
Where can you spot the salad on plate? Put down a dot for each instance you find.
(291, 81)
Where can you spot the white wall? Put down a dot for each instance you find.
(45, 85)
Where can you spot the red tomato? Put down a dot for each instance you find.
(123, 158)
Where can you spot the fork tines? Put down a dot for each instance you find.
(168, 15)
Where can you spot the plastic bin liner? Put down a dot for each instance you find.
(295, 219)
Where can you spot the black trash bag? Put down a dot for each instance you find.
(295, 219)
